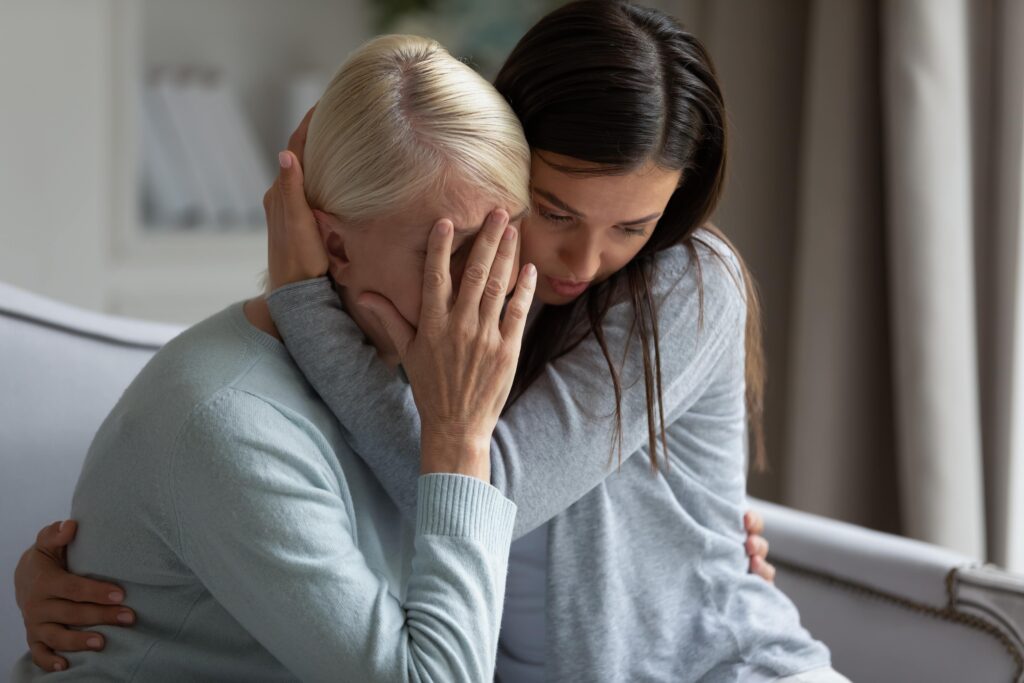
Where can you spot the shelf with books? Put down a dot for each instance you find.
(205, 94)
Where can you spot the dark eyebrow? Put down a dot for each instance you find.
(558, 202)
(645, 219)
(565, 207)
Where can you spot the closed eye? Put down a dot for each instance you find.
(555, 217)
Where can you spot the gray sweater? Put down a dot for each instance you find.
(647, 573)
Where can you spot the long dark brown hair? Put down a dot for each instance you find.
(619, 85)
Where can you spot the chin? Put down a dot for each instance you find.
(549, 298)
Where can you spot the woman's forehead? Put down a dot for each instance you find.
(466, 209)
(627, 193)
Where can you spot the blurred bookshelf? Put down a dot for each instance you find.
(154, 218)
(204, 93)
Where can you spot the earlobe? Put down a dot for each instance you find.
(333, 238)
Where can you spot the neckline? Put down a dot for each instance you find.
(254, 334)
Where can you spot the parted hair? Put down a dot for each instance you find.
(399, 120)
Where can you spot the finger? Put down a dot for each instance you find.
(292, 189)
(297, 141)
(757, 545)
(395, 326)
(298, 214)
(270, 196)
(514, 322)
(762, 568)
(45, 658)
(53, 538)
(61, 639)
(753, 522)
(67, 586)
(71, 613)
(474, 278)
(765, 570)
(437, 280)
(497, 282)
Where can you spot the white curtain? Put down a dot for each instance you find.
(905, 380)
(1003, 355)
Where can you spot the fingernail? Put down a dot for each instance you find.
(94, 642)
(509, 233)
(124, 617)
(116, 596)
(58, 666)
(531, 270)
(285, 159)
(444, 227)
(61, 527)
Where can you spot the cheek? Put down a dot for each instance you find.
(536, 245)
(407, 294)
(399, 279)
(618, 256)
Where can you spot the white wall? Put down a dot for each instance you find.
(69, 77)
(56, 139)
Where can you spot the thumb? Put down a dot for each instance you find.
(397, 328)
(291, 184)
(53, 538)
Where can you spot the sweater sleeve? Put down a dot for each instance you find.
(269, 529)
(555, 443)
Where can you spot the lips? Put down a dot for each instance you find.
(567, 288)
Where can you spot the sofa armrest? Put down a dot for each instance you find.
(892, 608)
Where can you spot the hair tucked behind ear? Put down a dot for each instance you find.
(401, 118)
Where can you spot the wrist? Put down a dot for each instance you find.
(455, 454)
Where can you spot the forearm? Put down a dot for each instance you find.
(556, 441)
(299, 538)
(374, 406)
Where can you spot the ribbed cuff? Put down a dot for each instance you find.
(301, 294)
(459, 505)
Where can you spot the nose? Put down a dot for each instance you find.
(581, 254)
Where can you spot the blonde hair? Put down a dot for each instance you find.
(399, 120)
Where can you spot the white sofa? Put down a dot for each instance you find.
(891, 609)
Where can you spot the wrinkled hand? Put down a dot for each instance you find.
(757, 547)
(462, 357)
(294, 249)
(51, 599)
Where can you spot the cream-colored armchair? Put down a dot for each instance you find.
(890, 608)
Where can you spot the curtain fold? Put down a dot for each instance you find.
(927, 143)
(905, 367)
(839, 454)
(1004, 371)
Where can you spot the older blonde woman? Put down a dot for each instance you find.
(220, 493)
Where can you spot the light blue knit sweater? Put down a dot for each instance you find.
(255, 546)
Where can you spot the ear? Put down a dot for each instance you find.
(332, 235)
